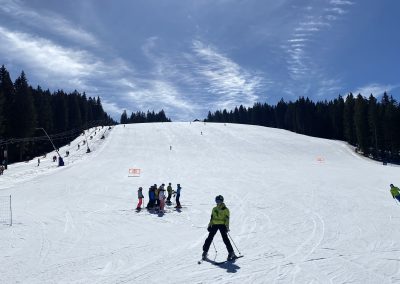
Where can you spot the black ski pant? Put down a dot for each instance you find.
(224, 233)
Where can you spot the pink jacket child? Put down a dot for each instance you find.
(140, 197)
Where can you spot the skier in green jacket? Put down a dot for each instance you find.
(219, 221)
(169, 190)
(395, 191)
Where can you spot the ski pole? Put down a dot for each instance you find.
(234, 243)
(215, 248)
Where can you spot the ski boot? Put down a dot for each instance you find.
(204, 255)
(231, 256)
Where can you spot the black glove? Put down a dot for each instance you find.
(209, 228)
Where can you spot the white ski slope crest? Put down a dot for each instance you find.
(303, 210)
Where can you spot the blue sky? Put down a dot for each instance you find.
(191, 56)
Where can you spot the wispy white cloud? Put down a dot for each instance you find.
(341, 2)
(63, 67)
(47, 21)
(336, 10)
(301, 65)
(158, 92)
(112, 108)
(375, 89)
(47, 57)
(200, 78)
(225, 78)
(328, 87)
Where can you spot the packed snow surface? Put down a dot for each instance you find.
(303, 209)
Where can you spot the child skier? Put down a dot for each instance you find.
(219, 221)
(140, 197)
(395, 192)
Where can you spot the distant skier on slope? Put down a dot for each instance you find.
(219, 221)
(395, 191)
(140, 197)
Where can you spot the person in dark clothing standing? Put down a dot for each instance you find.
(219, 221)
(178, 195)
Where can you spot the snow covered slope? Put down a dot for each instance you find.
(303, 210)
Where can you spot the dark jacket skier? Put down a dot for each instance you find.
(178, 195)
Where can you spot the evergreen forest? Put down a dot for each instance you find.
(141, 117)
(25, 111)
(372, 126)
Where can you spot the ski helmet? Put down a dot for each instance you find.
(219, 199)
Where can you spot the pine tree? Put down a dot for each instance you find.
(361, 124)
(280, 113)
(83, 106)
(24, 114)
(374, 125)
(7, 90)
(390, 124)
(60, 106)
(23, 119)
(2, 116)
(124, 118)
(336, 117)
(74, 111)
(43, 108)
(348, 120)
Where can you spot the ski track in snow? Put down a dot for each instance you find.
(303, 210)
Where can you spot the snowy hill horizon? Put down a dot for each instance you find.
(303, 209)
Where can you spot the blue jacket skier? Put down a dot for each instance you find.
(178, 195)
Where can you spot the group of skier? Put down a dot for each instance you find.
(158, 197)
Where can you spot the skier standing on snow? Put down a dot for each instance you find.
(219, 221)
(178, 195)
(169, 190)
(140, 197)
(152, 198)
(161, 198)
(156, 191)
(395, 191)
